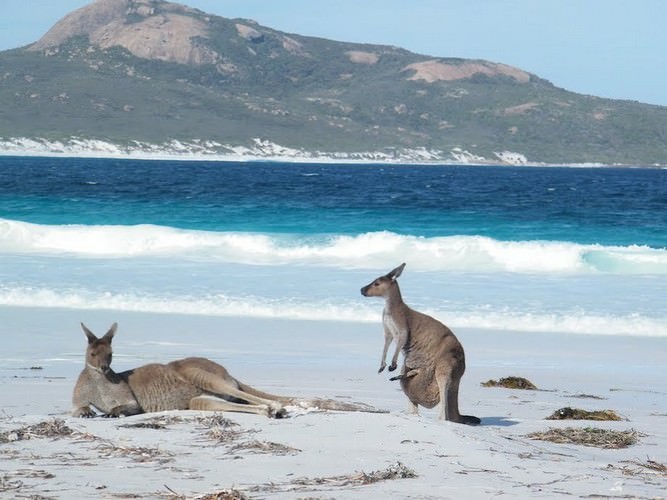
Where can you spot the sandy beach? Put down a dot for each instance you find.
(45, 453)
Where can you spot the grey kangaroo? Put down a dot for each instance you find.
(434, 360)
(190, 383)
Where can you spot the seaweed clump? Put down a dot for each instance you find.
(568, 413)
(510, 383)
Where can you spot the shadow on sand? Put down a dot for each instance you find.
(498, 421)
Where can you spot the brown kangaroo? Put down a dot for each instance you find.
(434, 360)
(185, 384)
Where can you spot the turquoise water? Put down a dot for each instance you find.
(580, 250)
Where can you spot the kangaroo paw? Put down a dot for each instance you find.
(277, 413)
(84, 412)
(392, 367)
(382, 368)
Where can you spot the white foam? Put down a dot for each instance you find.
(576, 321)
(370, 250)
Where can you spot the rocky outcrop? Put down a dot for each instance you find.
(151, 30)
(434, 70)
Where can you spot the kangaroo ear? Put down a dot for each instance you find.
(112, 331)
(395, 273)
(91, 336)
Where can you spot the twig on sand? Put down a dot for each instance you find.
(650, 467)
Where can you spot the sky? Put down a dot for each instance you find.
(606, 48)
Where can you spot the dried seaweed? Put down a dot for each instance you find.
(53, 429)
(223, 434)
(146, 425)
(395, 471)
(136, 453)
(8, 484)
(587, 396)
(588, 436)
(214, 420)
(266, 447)
(510, 383)
(568, 413)
(650, 466)
(221, 429)
(225, 495)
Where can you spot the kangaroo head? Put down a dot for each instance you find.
(99, 352)
(382, 286)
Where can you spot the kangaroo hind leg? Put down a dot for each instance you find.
(212, 403)
(222, 385)
(448, 387)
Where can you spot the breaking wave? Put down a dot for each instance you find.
(369, 250)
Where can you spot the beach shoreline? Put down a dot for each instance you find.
(96, 149)
(324, 454)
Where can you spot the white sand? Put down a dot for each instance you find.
(106, 459)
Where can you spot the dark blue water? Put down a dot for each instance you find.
(608, 206)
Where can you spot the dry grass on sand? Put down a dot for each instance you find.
(588, 436)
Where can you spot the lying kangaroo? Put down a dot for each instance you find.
(190, 383)
(434, 361)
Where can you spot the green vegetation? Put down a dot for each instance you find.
(312, 95)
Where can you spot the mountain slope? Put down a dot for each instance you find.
(153, 71)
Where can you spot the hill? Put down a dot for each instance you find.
(153, 72)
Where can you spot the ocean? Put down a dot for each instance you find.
(528, 249)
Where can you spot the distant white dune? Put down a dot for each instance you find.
(259, 150)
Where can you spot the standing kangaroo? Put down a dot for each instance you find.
(185, 384)
(434, 361)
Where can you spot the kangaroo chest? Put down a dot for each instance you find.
(391, 325)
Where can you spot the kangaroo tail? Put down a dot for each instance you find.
(332, 404)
